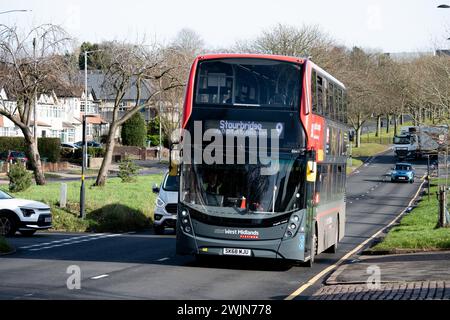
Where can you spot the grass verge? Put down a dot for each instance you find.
(4, 246)
(417, 230)
(355, 164)
(116, 207)
(368, 150)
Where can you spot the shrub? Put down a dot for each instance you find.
(4, 246)
(134, 131)
(96, 152)
(67, 154)
(77, 156)
(117, 218)
(67, 221)
(127, 170)
(154, 139)
(19, 178)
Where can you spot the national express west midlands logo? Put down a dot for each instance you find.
(243, 234)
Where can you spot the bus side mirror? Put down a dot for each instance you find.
(174, 159)
(155, 188)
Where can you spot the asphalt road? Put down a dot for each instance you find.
(144, 266)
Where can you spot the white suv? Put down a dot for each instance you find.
(166, 204)
(25, 216)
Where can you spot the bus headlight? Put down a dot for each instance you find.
(293, 226)
(185, 221)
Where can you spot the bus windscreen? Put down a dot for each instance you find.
(249, 82)
(222, 188)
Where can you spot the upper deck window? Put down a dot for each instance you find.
(249, 82)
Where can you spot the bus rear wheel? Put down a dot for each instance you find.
(334, 247)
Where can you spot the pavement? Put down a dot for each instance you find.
(418, 276)
(145, 266)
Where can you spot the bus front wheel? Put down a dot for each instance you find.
(313, 251)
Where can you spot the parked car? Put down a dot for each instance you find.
(13, 156)
(91, 144)
(403, 172)
(69, 146)
(166, 204)
(25, 216)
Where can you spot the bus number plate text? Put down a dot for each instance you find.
(237, 252)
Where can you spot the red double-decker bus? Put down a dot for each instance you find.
(233, 206)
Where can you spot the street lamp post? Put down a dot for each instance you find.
(35, 94)
(160, 128)
(10, 11)
(84, 140)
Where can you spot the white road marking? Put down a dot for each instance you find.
(100, 277)
(67, 243)
(163, 259)
(58, 241)
(318, 276)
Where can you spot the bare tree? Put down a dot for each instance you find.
(30, 65)
(179, 54)
(281, 39)
(362, 95)
(130, 66)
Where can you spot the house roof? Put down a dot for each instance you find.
(41, 124)
(102, 91)
(95, 120)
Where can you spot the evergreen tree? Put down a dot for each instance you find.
(134, 131)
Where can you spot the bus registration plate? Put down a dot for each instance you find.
(237, 252)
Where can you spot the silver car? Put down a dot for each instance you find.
(166, 204)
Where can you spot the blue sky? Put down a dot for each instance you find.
(391, 26)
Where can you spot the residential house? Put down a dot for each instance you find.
(59, 114)
(105, 97)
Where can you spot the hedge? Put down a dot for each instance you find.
(92, 152)
(49, 148)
